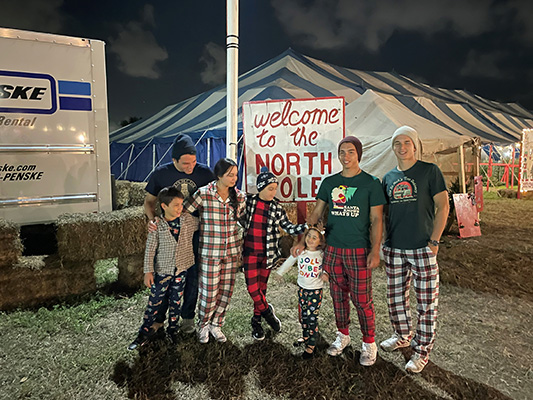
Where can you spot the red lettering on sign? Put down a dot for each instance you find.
(325, 162)
(310, 156)
(286, 187)
(315, 184)
(299, 192)
(269, 141)
(274, 168)
(293, 160)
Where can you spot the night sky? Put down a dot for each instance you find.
(161, 52)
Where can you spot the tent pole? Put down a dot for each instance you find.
(232, 77)
(462, 180)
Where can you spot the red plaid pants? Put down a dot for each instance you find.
(401, 266)
(256, 274)
(349, 277)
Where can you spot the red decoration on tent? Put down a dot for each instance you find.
(467, 215)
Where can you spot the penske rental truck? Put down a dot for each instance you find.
(54, 138)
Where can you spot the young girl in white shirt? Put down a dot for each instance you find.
(311, 280)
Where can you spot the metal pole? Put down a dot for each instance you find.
(232, 77)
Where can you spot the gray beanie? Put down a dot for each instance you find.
(407, 131)
(183, 145)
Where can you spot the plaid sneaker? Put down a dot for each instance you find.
(369, 353)
(339, 344)
(394, 342)
(416, 364)
(217, 333)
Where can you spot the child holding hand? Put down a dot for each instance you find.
(311, 278)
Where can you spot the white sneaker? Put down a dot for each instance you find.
(187, 325)
(369, 353)
(217, 333)
(416, 364)
(203, 334)
(339, 344)
(394, 342)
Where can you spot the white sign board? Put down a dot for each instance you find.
(296, 140)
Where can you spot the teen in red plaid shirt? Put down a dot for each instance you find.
(220, 205)
(263, 217)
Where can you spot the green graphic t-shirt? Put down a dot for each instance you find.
(349, 201)
(411, 206)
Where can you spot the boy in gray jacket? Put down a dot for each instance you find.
(170, 245)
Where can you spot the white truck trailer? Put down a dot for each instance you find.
(54, 135)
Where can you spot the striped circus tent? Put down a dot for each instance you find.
(140, 147)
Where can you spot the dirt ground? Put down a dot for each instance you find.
(484, 346)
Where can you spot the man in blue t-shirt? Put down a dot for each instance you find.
(414, 189)
(187, 175)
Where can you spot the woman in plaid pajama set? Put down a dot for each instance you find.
(220, 205)
(413, 189)
(353, 232)
(261, 221)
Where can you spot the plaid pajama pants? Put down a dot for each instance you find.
(167, 290)
(349, 277)
(216, 281)
(309, 302)
(401, 266)
(256, 274)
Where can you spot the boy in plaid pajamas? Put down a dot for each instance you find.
(354, 228)
(170, 245)
(413, 189)
(261, 221)
(220, 205)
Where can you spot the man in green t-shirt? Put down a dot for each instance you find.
(353, 232)
(414, 189)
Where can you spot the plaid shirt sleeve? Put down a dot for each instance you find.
(193, 203)
(149, 252)
(288, 226)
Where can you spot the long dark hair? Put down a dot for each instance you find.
(221, 167)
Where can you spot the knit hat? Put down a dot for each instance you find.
(183, 145)
(265, 178)
(356, 142)
(407, 131)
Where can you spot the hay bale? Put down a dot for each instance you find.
(84, 237)
(10, 243)
(40, 280)
(122, 190)
(130, 271)
(136, 194)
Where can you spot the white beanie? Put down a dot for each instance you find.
(407, 131)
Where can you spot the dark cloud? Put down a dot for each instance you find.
(136, 47)
(36, 15)
(214, 64)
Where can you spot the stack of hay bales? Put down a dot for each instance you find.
(10, 244)
(130, 194)
(117, 234)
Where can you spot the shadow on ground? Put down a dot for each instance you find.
(222, 368)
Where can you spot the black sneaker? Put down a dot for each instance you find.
(306, 355)
(271, 319)
(139, 341)
(257, 330)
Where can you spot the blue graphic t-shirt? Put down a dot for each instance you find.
(411, 207)
(168, 175)
(349, 201)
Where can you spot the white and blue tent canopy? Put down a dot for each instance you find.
(138, 148)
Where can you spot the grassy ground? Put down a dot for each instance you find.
(483, 350)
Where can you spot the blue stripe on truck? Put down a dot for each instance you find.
(76, 88)
(75, 103)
